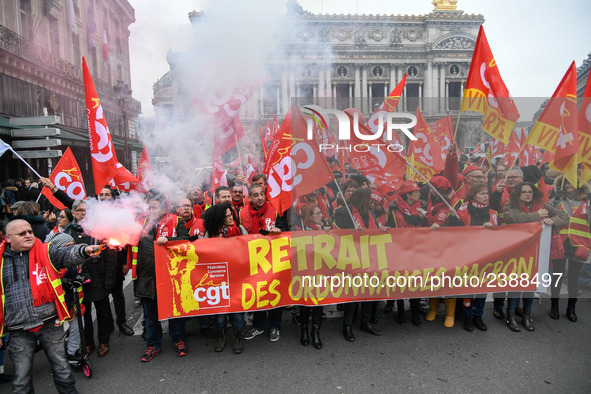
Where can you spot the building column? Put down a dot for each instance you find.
(350, 94)
(261, 93)
(334, 94)
(364, 89)
(393, 76)
(278, 96)
(314, 94)
(429, 85)
(421, 103)
(357, 94)
(321, 93)
(284, 96)
(404, 101)
(386, 92)
(399, 74)
(329, 83)
(370, 98)
(442, 88)
(446, 96)
(292, 91)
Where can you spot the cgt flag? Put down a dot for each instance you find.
(144, 170)
(104, 158)
(556, 129)
(486, 92)
(125, 181)
(67, 177)
(584, 121)
(425, 153)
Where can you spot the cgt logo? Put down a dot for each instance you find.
(213, 289)
(344, 127)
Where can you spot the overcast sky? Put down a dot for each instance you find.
(534, 41)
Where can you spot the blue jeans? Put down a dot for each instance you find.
(22, 351)
(350, 311)
(237, 320)
(513, 300)
(176, 327)
(474, 307)
(258, 318)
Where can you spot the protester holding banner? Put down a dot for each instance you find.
(406, 211)
(526, 205)
(362, 219)
(438, 215)
(218, 221)
(476, 211)
(161, 228)
(569, 199)
(312, 219)
(260, 217)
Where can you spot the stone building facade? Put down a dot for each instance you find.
(41, 47)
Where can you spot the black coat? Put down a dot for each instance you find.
(146, 262)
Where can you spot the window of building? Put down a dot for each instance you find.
(26, 19)
(412, 96)
(270, 99)
(94, 61)
(377, 96)
(54, 36)
(76, 50)
(455, 93)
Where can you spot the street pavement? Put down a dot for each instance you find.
(555, 358)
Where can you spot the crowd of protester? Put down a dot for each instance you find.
(467, 193)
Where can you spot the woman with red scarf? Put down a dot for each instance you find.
(218, 221)
(526, 205)
(406, 211)
(439, 215)
(362, 219)
(312, 219)
(476, 211)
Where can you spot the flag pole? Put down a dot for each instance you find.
(458, 122)
(425, 179)
(345, 201)
(239, 156)
(27, 164)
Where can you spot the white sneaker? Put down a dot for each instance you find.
(253, 333)
(274, 336)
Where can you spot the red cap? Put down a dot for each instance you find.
(470, 168)
(407, 187)
(379, 198)
(440, 183)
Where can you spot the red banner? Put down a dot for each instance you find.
(254, 272)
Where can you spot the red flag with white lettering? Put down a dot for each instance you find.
(584, 122)
(268, 132)
(556, 129)
(144, 170)
(250, 170)
(124, 181)
(104, 158)
(67, 177)
(443, 132)
(219, 173)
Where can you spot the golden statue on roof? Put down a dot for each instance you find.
(445, 5)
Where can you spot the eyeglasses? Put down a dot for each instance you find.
(513, 177)
(80, 210)
(22, 234)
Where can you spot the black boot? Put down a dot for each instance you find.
(570, 310)
(304, 339)
(511, 322)
(468, 323)
(316, 337)
(220, 343)
(415, 306)
(527, 320)
(238, 341)
(401, 315)
(498, 308)
(348, 333)
(478, 323)
(368, 328)
(389, 306)
(554, 309)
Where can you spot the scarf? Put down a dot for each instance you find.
(405, 208)
(479, 211)
(536, 206)
(230, 231)
(38, 276)
(167, 226)
(259, 215)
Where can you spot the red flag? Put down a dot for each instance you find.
(263, 144)
(250, 170)
(227, 137)
(268, 132)
(125, 181)
(219, 173)
(485, 92)
(144, 170)
(443, 132)
(548, 157)
(512, 149)
(496, 148)
(384, 168)
(388, 106)
(556, 129)
(294, 163)
(584, 121)
(104, 158)
(67, 177)
(425, 153)
(275, 126)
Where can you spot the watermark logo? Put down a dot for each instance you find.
(402, 121)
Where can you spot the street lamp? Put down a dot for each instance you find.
(123, 97)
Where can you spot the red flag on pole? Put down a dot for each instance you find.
(250, 170)
(584, 121)
(485, 92)
(219, 173)
(425, 153)
(125, 181)
(556, 129)
(268, 133)
(443, 131)
(67, 177)
(144, 170)
(388, 106)
(104, 158)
